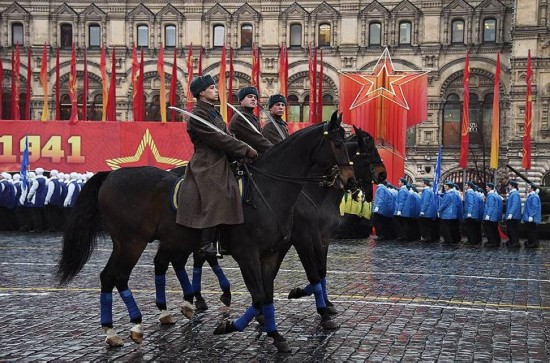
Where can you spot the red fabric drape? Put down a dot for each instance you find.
(230, 90)
(15, 115)
(465, 127)
(526, 161)
(73, 119)
(57, 87)
(173, 83)
(29, 90)
(135, 76)
(85, 88)
(189, 77)
(111, 105)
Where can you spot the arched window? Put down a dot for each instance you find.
(451, 121)
(152, 113)
(95, 111)
(66, 35)
(489, 31)
(405, 32)
(457, 32)
(328, 107)
(246, 36)
(293, 109)
(17, 34)
(375, 33)
(219, 35)
(94, 36)
(323, 39)
(486, 120)
(65, 107)
(296, 35)
(143, 36)
(170, 36)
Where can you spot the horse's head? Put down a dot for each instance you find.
(369, 167)
(335, 135)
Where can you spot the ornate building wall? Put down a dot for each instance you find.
(420, 34)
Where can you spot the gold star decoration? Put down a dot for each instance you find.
(384, 81)
(146, 141)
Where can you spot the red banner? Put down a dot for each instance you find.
(96, 146)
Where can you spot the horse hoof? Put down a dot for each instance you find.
(200, 304)
(260, 319)
(167, 319)
(137, 337)
(296, 293)
(114, 341)
(187, 310)
(279, 342)
(226, 298)
(329, 325)
(225, 327)
(332, 310)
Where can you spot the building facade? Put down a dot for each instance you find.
(433, 35)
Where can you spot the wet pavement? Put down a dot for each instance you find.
(396, 301)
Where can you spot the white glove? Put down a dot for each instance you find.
(398, 212)
(66, 204)
(437, 214)
(530, 219)
(509, 216)
(376, 210)
(29, 197)
(421, 213)
(469, 215)
(22, 200)
(486, 218)
(46, 202)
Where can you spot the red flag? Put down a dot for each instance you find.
(105, 90)
(57, 88)
(465, 127)
(189, 77)
(111, 104)
(222, 85)
(257, 79)
(1, 89)
(320, 89)
(495, 130)
(135, 74)
(230, 91)
(72, 89)
(312, 84)
(140, 97)
(85, 87)
(173, 84)
(15, 84)
(44, 81)
(283, 69)
(526, 161)
(200, 61)
(162, 91)
(28, 92)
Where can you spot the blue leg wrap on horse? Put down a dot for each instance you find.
(106, 301)
(131, 305)
(241, 323)
(319, 299)
(269, 318)
(308, 290)
(224, 282)
(324, 286)
(160, 288)
(197, 274)
(184, 282)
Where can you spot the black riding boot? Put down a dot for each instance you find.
(208, 238)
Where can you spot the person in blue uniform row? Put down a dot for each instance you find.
(447, 212)
(532, 215)
(492, 215)
(455, 225)
(472, 221)
(401, 211)
(428, 223)
(513, 215)
(382, 208)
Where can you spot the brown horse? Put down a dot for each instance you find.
(134, 204)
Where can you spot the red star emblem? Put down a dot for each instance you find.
(384, 81)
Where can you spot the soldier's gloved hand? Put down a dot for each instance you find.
(486, 218)
(530, 219)
(469, 215)
(22, 200)
(46, 202)
(65, 204)
(421, 213)
(251, 155)
(509, 216)
(398, 213)
(376, 210)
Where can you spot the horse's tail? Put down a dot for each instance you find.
(80, 236)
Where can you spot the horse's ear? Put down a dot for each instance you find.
(334, 121)
(340, 118)
(334, 117)
(356, 130)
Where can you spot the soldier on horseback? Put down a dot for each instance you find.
(210, 192)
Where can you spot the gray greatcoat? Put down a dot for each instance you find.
(270, 130)
(242, 130)
(210, 194)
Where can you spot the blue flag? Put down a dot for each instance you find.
(437, 176)
(25, 163)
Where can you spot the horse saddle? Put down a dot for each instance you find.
(242, 180)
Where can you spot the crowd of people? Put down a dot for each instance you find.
(38, 202)
(404, 214)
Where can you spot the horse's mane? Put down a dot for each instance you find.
(290, 139)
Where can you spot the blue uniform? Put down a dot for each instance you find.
(513, 205)
(447, 206)
(532, 209)
(493, 207)
(427, 204)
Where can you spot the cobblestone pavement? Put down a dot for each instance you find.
(396, 301)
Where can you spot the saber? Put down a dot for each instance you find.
(273, 121)
(197, 118)
(391, 151)
(247, 120)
